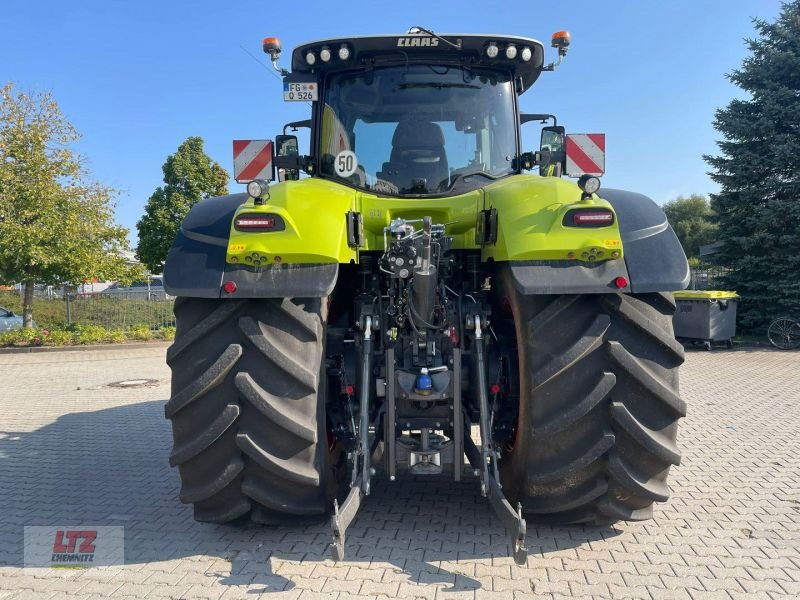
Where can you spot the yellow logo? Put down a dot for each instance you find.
(236, 248)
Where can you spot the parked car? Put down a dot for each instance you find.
(9, 320)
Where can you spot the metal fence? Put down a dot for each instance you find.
(121, 310)
(708, 278)
(118, 309)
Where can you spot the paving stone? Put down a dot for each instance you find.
(729, 531)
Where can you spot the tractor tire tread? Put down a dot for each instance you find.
(653, 441)
(206, 382)
(205, 438)
(591, 339)
(214, 484)
(598, 404)
(246, 412)
(210, 322)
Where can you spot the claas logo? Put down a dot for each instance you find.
(416, 41)
(74, 546)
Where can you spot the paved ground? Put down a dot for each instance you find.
(74, 451)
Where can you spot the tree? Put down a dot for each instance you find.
(189, 176)
(692, 220)
(56, 224)
(758, 171)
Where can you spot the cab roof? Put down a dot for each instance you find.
(367, 52)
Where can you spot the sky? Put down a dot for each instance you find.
(136, 78)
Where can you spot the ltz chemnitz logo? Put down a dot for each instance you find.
(74, 546)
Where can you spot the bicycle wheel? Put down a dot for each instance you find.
(784, 333)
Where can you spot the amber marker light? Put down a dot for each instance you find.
(561, 39)
(271, 45)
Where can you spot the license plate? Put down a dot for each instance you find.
(300, 92)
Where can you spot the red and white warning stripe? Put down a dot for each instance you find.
(252, 159)
(586, 154)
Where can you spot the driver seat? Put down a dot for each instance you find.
(417, 153)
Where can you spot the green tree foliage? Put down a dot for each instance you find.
(56, 224)
(759, 173)
(189, 176)
(692, 220)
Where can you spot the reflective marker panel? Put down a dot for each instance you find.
(586, 154)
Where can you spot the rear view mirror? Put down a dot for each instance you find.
(551, 148)
(287, 157)
(286, 145)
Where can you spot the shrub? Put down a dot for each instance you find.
(59, 337)
(22, 337)
(168, 333)
(68, 335)
(8, 338)
(116, 336)
(35, 337)
(91, 334)
(140, 332)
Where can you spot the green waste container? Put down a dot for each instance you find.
(705, 316)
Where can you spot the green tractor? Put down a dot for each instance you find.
(417, 285)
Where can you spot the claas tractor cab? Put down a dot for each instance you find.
(415, 274)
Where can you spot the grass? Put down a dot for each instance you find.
(46, 312)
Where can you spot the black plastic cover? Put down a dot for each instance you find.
(568, 277)
(654, 256)
(282, 281)
(196, 262)
(420, 48)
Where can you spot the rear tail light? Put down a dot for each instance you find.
(258, 223)
(589, 218)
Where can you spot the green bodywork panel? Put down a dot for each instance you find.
(459, 213)
(314, 212)
(529, 208)
(530, 211)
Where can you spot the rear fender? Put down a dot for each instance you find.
(196, 266)
(653, 259)
(653, 255)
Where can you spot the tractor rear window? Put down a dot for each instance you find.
(421, 129)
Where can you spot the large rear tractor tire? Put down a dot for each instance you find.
(598, 405)
(248, 409)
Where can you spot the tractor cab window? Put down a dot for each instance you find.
(418, 130)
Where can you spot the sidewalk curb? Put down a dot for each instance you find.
(737, 344)
(752, 344)
(86, 347)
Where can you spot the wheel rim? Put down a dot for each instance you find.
(784, 333)
(507, 312)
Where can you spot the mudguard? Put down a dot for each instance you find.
(653, 255)
(196, 264)
(653, 261)
(568, 276)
